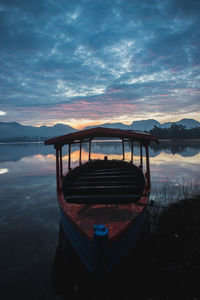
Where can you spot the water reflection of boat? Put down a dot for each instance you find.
(102, 202)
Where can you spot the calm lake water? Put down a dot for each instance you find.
(29, 214)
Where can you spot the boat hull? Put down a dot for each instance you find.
(111, 253)
(103, 202)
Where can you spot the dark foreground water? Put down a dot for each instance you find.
(29, 214)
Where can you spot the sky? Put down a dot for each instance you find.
(94, 61)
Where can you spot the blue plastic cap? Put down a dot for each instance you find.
(100, 230)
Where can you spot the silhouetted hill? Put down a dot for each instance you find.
(188, 123)
(144, 125)
(111, 125)
(13, 130)
(147, 125)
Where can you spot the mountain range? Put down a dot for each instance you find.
(13, 130)
(9, 130)
(146, 125)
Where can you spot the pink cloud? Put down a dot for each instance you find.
(112, 90)
(81, 109)
(162, 95)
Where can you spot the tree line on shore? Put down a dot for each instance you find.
(176, 132)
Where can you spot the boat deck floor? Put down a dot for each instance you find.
(116, 217)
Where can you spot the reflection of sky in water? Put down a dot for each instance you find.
(164, 165)
(173, 167)
(28, 183)
(29, 219)
(3, 171)
(29, 213)
(32, 178)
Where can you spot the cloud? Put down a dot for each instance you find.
(98, 59)
(2, 113)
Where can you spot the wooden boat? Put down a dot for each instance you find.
(103, 202)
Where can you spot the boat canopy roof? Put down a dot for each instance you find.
(101, 132)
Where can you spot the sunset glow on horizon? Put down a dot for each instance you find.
(82, 123)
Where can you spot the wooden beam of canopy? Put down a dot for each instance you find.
(100, 132)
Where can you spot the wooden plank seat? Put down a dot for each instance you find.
(108, 169)
(102, 199)
(103, 190)
(104, 182)
(113, 172)
(100, 182)
(106, 178)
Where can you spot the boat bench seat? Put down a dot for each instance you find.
(110, 178)
(104, 182)
(104, 190)
(102, 199)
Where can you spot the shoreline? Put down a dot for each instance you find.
(2, 142)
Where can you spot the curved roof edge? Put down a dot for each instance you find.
(82, 135)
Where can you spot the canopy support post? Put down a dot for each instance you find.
(69, 157)
(61, 165)
(131, 151)
(58, 170)
(141, 157)
(147, 168)
(123, 149)
(90, 146)
(80, 153)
